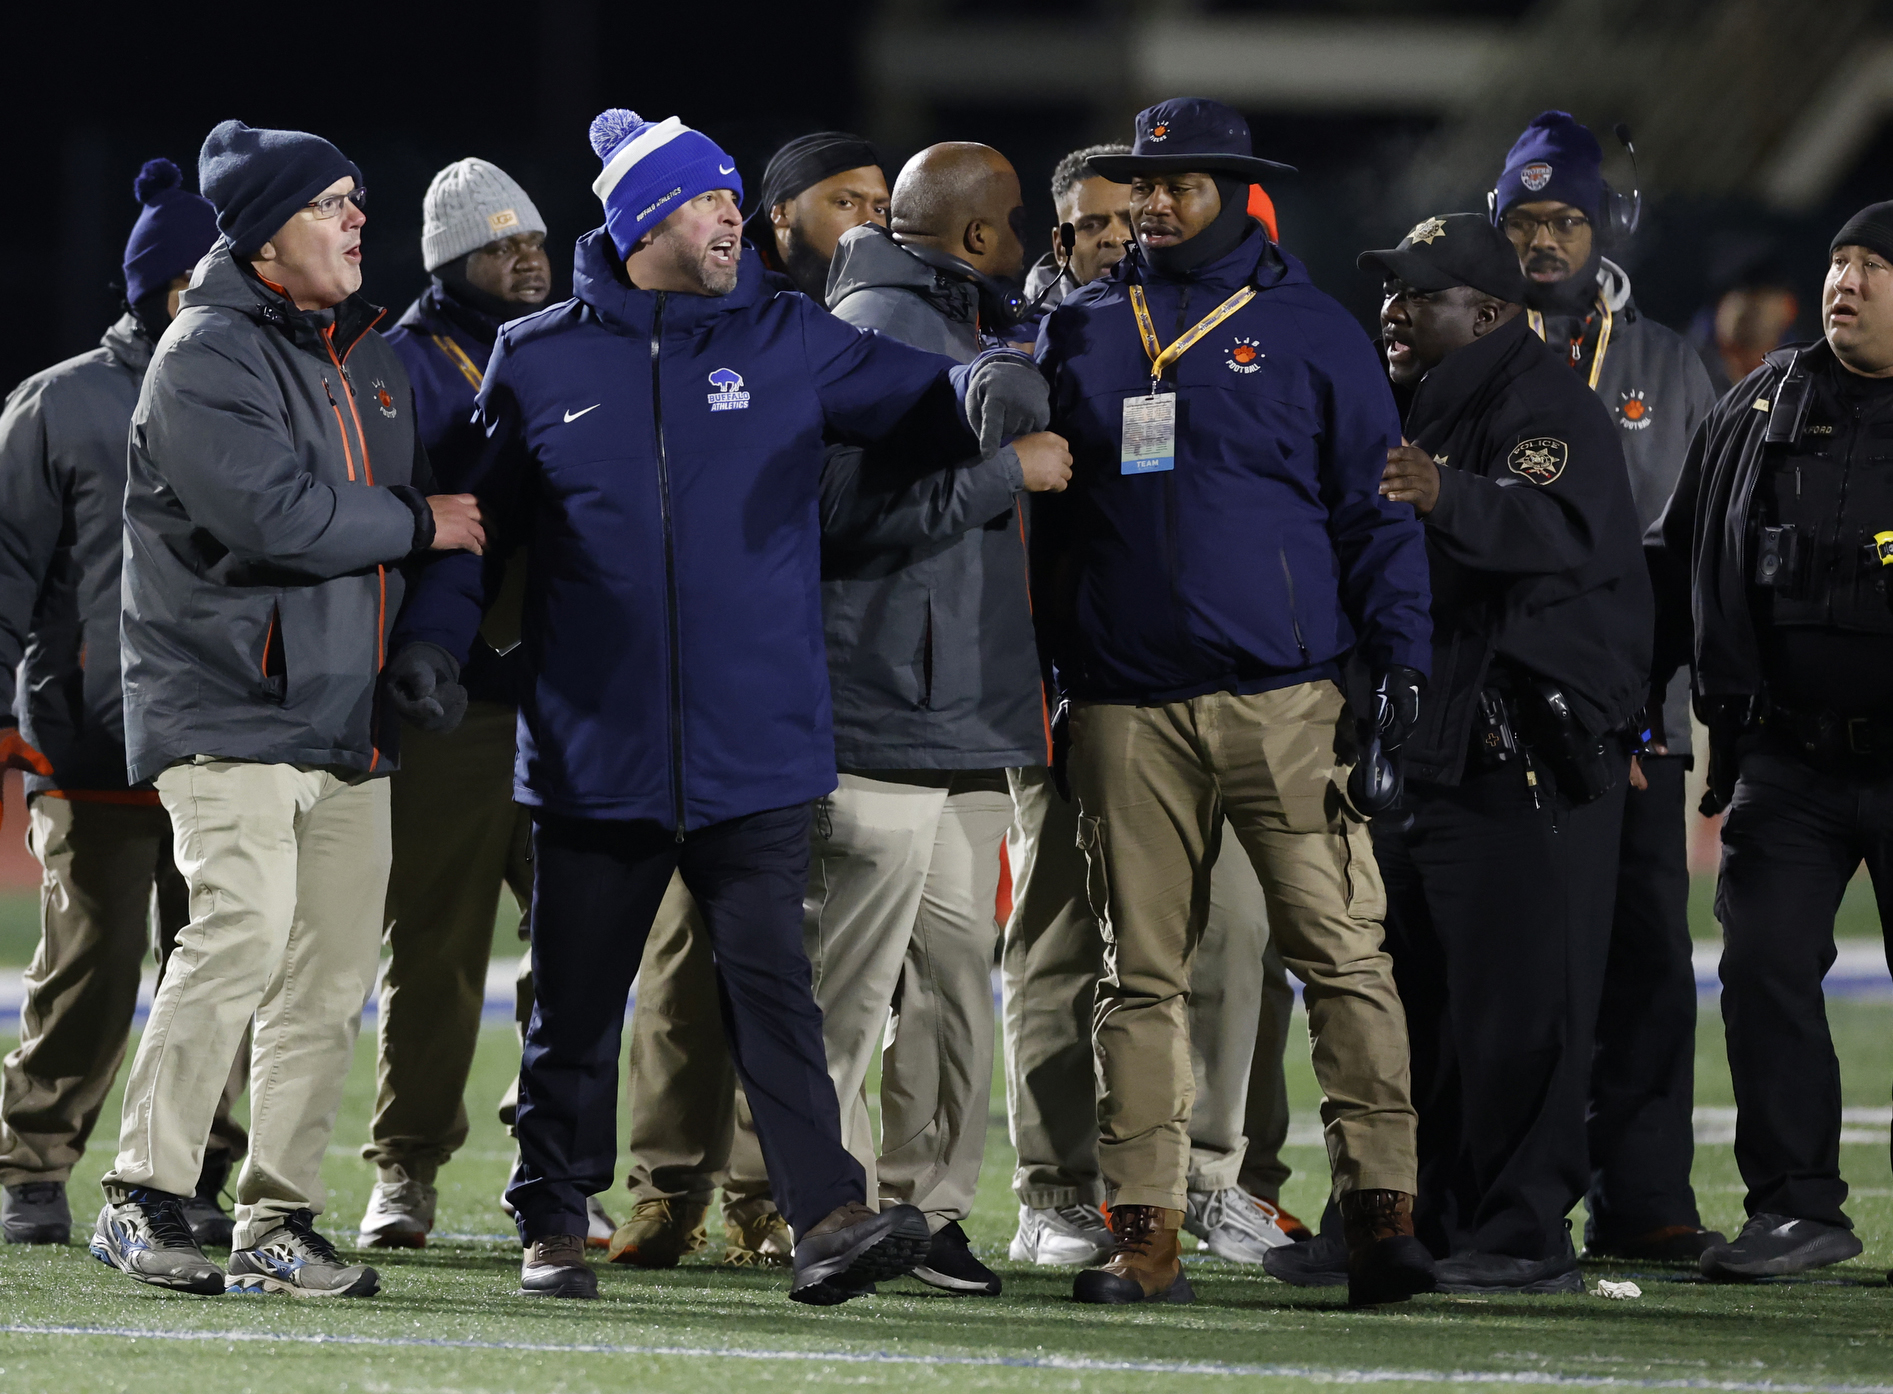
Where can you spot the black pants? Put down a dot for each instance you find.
(1643, 1077)
(596, 888)
(1498, 920)
(1792, 839)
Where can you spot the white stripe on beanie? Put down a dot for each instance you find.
(651, 138)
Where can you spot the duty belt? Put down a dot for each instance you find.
(1825, 737)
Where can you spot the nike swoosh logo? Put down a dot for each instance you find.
(572, 416)
(730, 170)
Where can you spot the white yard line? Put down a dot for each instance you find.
(1316, 1373)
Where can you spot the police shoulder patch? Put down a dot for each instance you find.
(1540, 459)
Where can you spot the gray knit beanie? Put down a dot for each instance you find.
(469, 204)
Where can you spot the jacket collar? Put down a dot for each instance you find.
(126, 342)
(220, 280)
(437, 310)
(1468, 375)
(598, 282)
(1254, 261)
(870, 258)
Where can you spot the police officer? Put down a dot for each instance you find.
(1499, 887)
(1198, 590)
(1551, 201)
(1779, 533)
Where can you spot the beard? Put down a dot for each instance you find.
(695, 264)
(805, 266)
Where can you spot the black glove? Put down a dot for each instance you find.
(1006, 396)
(1061, 749)
(424, 687)
(1397, 704)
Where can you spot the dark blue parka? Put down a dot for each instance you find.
(1267, 553)
(660, 455)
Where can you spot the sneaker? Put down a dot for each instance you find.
(35, 1212)
(145, 1237)
(1320, 1263)
(1146, 1263)
(1295, 1229)
(1232, 1224)
(293, 1258)
(853, 1247)
(599, 1227)
(1670, 1244)
(951, 1267)
(660, 1232)
(1772, 1245)
(210, 1226)
(1067, 1234)
(556, 1267)
(1501, 1273)
(400, 1214)
(756, 1236)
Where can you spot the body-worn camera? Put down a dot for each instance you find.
(1778, 559)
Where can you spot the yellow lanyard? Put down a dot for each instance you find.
(1160, 357)
(1537, 322)
(459, 356)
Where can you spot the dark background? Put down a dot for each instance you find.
(405, 89)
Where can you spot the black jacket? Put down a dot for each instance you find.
(1533, 545)
(62, 502)
(925, 609)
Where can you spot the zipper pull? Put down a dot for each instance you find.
(327, 390)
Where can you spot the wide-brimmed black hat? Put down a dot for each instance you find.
(1460, 249)
(1188, 133)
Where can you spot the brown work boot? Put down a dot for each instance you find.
(659, 1233)
(1145, 1265)
(755, 1235)
(1385, 1263)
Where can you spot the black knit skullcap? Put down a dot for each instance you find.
(1871, 227)
(807, 160)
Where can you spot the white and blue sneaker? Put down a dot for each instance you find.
(145, 1236)
(293, 1258)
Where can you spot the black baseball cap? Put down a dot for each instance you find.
(1460, 249)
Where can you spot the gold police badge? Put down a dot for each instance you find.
(1429, 230)
(1540, 459)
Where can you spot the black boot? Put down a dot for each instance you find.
(204, 1211)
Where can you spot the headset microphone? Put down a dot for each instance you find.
(1067, 239)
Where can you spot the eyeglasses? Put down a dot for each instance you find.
(1563, 227)
(330, 205)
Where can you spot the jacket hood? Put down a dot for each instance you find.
(868, 258)
(598, 282)
(221, 281)
(1613, 285)
(126, 342)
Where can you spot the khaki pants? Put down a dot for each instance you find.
(1240, 1008)
(899, 918)
(1154, 785)
(288, 871)
(457, 838)
(690, 1126)
(104, 868)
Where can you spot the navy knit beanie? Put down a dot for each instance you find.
(653, 168)
(258, 179)
(1556, 160)
(172, 233)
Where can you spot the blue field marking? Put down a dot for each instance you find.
(1315, 1373)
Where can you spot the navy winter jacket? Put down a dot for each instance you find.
(660, 456)
(1267, 553)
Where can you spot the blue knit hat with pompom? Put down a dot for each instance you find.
(653, 168)
(174, 230)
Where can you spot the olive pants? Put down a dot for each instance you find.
(1154, 785)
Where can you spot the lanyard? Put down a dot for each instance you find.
(460, 360)
(1160, 357)
(1537, 322)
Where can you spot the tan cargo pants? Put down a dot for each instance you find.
(105, 869)
(287, 870)
(899, 926)
(1240, 1009)
(1154, 785)
(458, 838)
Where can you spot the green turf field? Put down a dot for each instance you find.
(446, 1319)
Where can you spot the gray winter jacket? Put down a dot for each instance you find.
(931, 655)
(1657, 391)
(271, 463)
(62, 505)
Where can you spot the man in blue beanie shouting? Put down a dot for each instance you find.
(102, 843)
(274, 483)
(658, 440)
(1551, 201)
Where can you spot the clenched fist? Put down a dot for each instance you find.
(1045, 460)
(1411, 477)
